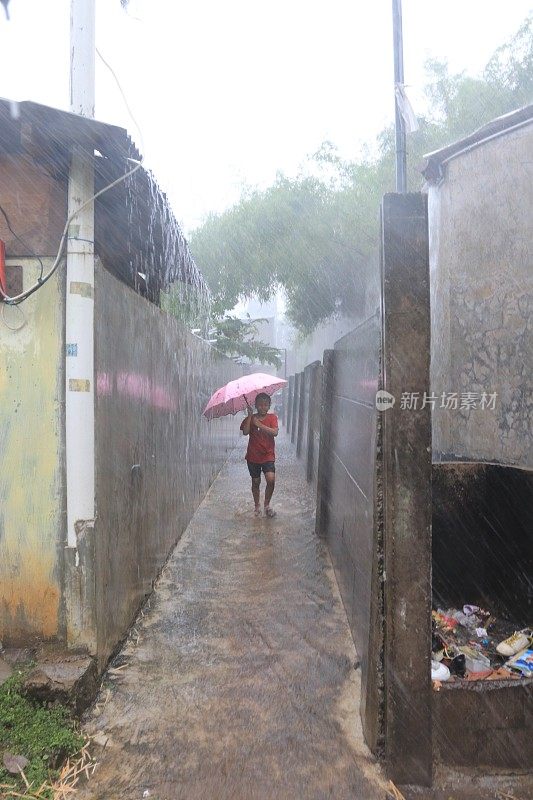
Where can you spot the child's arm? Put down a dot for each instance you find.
(265, 428)
(246, 423)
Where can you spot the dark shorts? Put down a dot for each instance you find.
(255, 469)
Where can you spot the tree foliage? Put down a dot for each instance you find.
(238, 339)
(297, 234)
(316, 235)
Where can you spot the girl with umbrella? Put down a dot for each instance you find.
(261, 428)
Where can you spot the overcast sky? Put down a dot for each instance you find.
(227, 92)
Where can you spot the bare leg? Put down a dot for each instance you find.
(269, 491)
(256, 482)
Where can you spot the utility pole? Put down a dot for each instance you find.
(401, 153)
(79, 324)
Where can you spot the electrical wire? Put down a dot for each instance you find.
(19, 298)
(128, 109)
(6, 323)
(22, 242)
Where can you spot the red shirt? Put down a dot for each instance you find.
(261, 444)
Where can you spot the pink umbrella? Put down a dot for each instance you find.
(237, 395)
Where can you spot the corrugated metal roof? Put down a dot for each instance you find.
(61, 129)
(135, 228)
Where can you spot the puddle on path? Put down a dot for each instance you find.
(238, 680)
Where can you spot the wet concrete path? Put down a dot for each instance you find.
(238, 680)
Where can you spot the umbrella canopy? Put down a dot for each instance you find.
(236, 395)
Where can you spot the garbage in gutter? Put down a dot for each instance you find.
(471, 644)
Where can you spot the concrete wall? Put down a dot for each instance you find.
(484, 724)
(303, 413)
(31, 454)
(374, 498)
(313, 422)
(481, 262)
(345, 459)
(406, 437)
(156, 455)
(374, 503)
(351, 529)
(306, 418)
(481, 258)
(348, 500)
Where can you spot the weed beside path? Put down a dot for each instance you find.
(37, 739)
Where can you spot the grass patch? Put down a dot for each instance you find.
(45, 736)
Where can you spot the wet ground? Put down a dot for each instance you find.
(238, 678)
(238, 681)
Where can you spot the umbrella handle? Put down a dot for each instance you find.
(247, 403)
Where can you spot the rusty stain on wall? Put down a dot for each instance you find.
(31, 485)
(35, 203)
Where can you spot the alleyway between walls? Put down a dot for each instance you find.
(238, 680)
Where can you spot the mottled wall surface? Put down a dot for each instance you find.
(313, 422)
(309, 406)
(35, 203)
(353, 454)
(303, 413)
(374, 504)
(406, 437)
(485, 725)
(351, 522)
(31, 477)
(156, 455)
(481, 261)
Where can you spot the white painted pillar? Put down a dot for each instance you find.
(79, 339)
(79, 327)
(82, 56)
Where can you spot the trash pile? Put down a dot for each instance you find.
(473, 645)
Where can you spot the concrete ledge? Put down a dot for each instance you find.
(485, 724)
(72, 680)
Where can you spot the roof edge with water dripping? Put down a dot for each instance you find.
(136, 231)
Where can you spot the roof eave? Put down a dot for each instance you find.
(435, 163)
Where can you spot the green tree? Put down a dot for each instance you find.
(510, 70)
(316, 235)
(238, 339)
(298, 234)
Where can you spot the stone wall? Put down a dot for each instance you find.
(481, 262)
